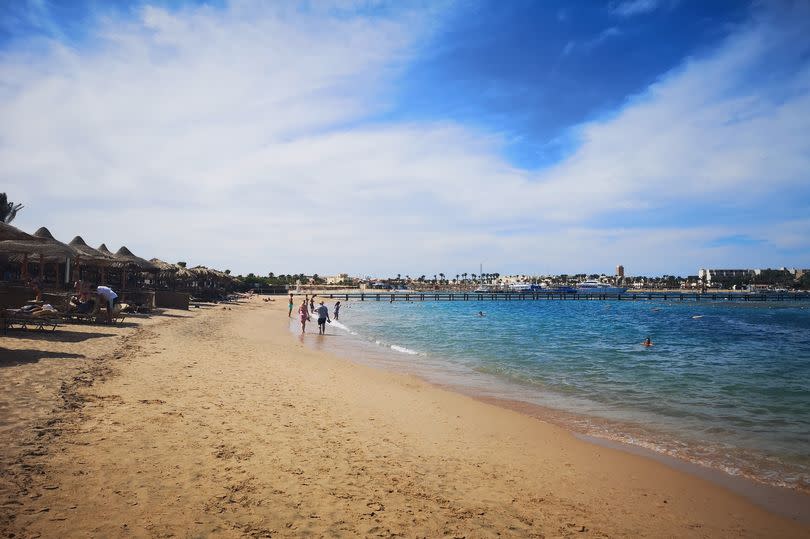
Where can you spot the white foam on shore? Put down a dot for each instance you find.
(404, 350)
(344, 327)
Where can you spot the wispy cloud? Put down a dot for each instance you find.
(590, 44)
(248, 137)
(630, 8)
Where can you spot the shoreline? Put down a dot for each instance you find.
(785, 501)
(220, 423)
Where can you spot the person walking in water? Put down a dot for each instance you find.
(323, 317)
(337, 310)
(290, 306)
(312, 304)
(303, 314)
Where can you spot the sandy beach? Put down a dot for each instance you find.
(220, 422)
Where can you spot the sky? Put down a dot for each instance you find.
(381, 138)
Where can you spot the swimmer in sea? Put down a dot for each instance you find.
(647, 342)
(480, 313)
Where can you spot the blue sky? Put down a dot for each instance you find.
(376, 137)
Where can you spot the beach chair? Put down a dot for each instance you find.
(89, 316)
(119, 314)
(44, 321)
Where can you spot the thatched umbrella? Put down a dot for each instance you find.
(103, 248)
(8, 232)
(91, 257)
(130, 261)
(184, 273)
(167, 272)
(87, 253)
(125, 255)
(45, 235)
(19, 246)
(164, 266)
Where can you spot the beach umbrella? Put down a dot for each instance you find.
(45, 235)
(125, 256)
(8, 232)
(19, 249)
(184, 273)
(87, 253)
(164, 266)
(41, 245)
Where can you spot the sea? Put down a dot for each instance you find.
(725, 385)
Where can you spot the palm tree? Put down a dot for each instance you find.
(8, 210)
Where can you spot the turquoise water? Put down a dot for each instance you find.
(725, 385)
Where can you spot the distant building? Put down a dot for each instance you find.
(710, 275)
(337, 279)
(620, 271)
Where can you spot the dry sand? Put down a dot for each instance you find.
(221, 423)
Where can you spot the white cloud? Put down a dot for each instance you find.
(241, 138)
(630, 8)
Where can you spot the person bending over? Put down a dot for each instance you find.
(109, 298)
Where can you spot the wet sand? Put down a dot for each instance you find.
(220, 423)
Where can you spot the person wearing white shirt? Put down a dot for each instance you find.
(106, 293)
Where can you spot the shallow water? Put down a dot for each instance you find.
(725, 385)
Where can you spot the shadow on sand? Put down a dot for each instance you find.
(59, 335)
(12, 358)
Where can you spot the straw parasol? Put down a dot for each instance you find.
(164, 266)
(125, 255)
(184, 273)
(8, 232)
(20, 245)
(87, 253)
(103, 249)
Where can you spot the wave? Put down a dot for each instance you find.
(404, 350)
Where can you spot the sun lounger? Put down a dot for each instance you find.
(16, 318)
(96, 315)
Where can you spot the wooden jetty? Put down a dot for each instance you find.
(537, 296)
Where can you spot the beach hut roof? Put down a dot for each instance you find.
(8, 232)
(125, 255)
(103, 249)
(200, 271)
(19, 244)
(88, 253)
(41, 244)
(184, 273)
(164, 266)
(44, 233)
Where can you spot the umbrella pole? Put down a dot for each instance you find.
(24, 269)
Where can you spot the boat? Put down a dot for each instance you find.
(483, 289)
(524, 287)
(561, 290)
(595, 287)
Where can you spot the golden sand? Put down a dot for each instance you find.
(219, 422)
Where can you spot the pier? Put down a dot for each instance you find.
(558, 296)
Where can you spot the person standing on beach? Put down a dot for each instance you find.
(303, 314)
(337, 310)
(323, 316)
(312, 304)
(291, 306)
